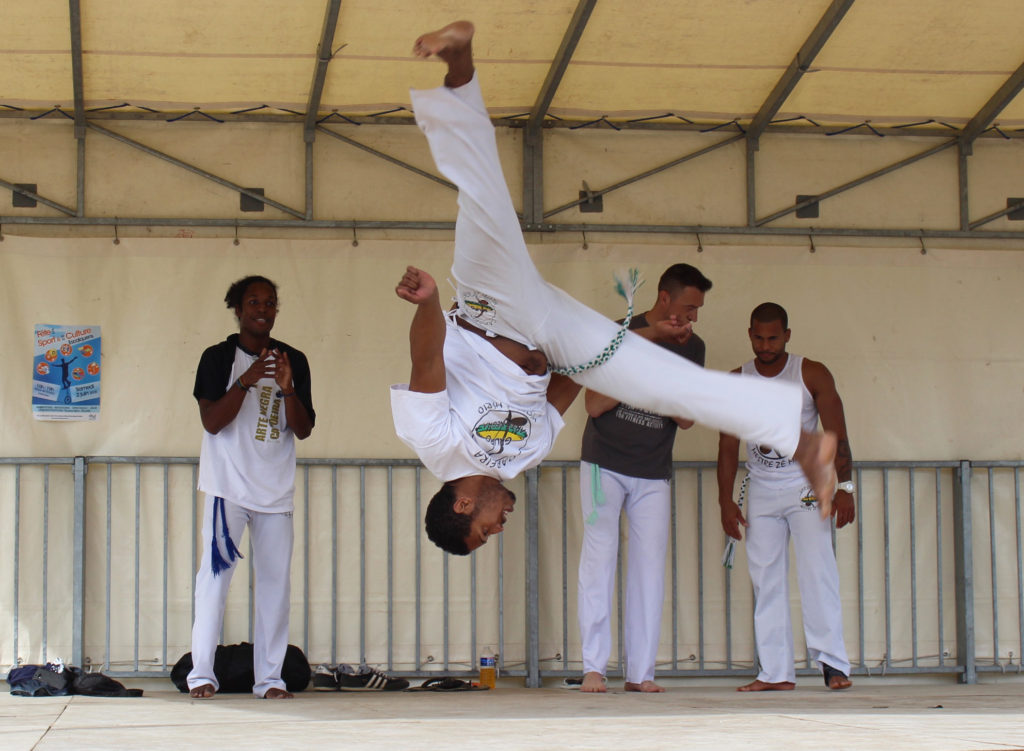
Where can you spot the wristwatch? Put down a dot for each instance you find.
(846, 487)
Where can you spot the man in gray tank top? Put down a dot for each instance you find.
(626, 464)
(781, 504)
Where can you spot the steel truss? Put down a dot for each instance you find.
(534, 216)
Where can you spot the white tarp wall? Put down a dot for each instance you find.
(924, 346)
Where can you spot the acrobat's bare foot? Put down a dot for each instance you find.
(763, 686)
(453, 44)
(593, 683)
(278, 693)
(206, 691)
(816, 454)
(647, 687)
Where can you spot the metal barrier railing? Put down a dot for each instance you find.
(104, 552)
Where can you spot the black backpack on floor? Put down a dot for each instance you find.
(232, 664)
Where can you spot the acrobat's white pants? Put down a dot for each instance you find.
(774, 514)
(646, 503)
(272, 536)
(492, 263)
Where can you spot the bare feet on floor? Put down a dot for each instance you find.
(816, 454)
(838, 682)
(206, 691)
(278, 693)
(647, 687)
(762, 686)
(593, 683)
(453, 44)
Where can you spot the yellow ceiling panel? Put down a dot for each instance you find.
(189, 28)
(708, 33)
(891, 98)
(40, 79)
(937, 35)
(697, 93)
(39, 25)
(888, 60)
(184, 82)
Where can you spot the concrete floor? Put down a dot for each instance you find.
(874, 714)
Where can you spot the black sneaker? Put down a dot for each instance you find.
(325, 679)
(368, 679)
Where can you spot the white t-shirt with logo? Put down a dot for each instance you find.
(251, 461)
(492, 419)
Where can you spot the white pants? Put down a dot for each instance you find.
(491, 258)
(646, 503)
(774, 514)
(272, 536)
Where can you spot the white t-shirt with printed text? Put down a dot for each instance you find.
(251, 461)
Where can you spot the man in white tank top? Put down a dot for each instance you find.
(781, 504)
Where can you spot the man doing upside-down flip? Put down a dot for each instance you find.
(481, 404)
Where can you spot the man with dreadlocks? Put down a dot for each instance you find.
(482, 404)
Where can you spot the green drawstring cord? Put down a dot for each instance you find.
(596, 493)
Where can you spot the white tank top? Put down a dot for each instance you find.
(764, 463)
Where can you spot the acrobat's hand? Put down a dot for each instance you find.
(674, 330)
(732, 519)
(416, 286)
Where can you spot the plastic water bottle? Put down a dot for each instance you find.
(488, 668)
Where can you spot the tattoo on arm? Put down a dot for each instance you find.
(844, 459)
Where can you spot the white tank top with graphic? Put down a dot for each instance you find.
(764, 463)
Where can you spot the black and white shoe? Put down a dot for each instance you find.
(367, 679)
(325, 678)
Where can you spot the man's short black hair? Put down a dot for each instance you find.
(767, 312)
(447, 528)
(237, 290)
(681, 275)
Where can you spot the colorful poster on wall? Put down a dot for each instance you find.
(66, 373)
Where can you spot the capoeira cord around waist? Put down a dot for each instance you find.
(217, 562)
(626, 290)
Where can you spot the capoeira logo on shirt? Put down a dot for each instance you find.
(499, 429)
(477, 308)
(807, 498)
(769, 458)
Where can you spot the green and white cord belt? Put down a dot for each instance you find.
(627, 291)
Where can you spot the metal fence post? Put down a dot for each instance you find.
(532, 579)
(78, 565)
(964, 573)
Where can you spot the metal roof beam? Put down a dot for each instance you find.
(324, 54)
(804, 57)
(859, 181)
(992, 217)
(561, 61)
(533, 141)
(36, 197)
(673, 229)
(1006, 93)
(75, 22)
(75, 11)
(196, 170)
(386, 157)
(643, 175)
